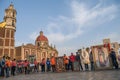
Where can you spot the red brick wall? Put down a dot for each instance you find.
(2, 32)
(12, 42)
(18, 51)
(6, 52)
(7, 42)
(1, 42)
(1, 51)
(12, 34)
(12, 53)
(7, 33)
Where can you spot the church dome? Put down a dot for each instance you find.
(41, 37)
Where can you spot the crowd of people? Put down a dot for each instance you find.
(10, 67)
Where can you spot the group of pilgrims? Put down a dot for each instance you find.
(13, 67)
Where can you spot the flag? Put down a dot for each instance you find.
(2, 24)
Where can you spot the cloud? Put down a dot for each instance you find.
(59, 37)
(62, 29)
(115, 37)
(65, 28)
(84, 15)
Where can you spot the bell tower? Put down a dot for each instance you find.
(10, 17)
(8, 48)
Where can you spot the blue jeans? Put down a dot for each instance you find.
(92, 66)
(0, 71)
(7, 71)
(48, 67)
(43, 68)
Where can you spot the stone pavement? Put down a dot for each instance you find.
(96, 75)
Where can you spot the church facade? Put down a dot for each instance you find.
(40, 50)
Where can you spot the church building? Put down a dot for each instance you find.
(40, 50)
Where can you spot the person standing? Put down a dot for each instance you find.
(53, 62)
(43, 65)
(26, 64)
(13, 67)
(66, 61)
(2, 63)
(19, 65)
(91, 60)
(0, 69)
(35, 67)
(72, 59)
(85, 57)
(113, 59)
(77, 57)
(7, 66)
(48, 64)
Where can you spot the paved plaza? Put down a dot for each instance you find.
(96, 75)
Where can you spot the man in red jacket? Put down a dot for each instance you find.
(72, 60)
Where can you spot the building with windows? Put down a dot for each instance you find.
(7, 40)
(40, 50)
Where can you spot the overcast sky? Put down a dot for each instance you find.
(68, 24)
